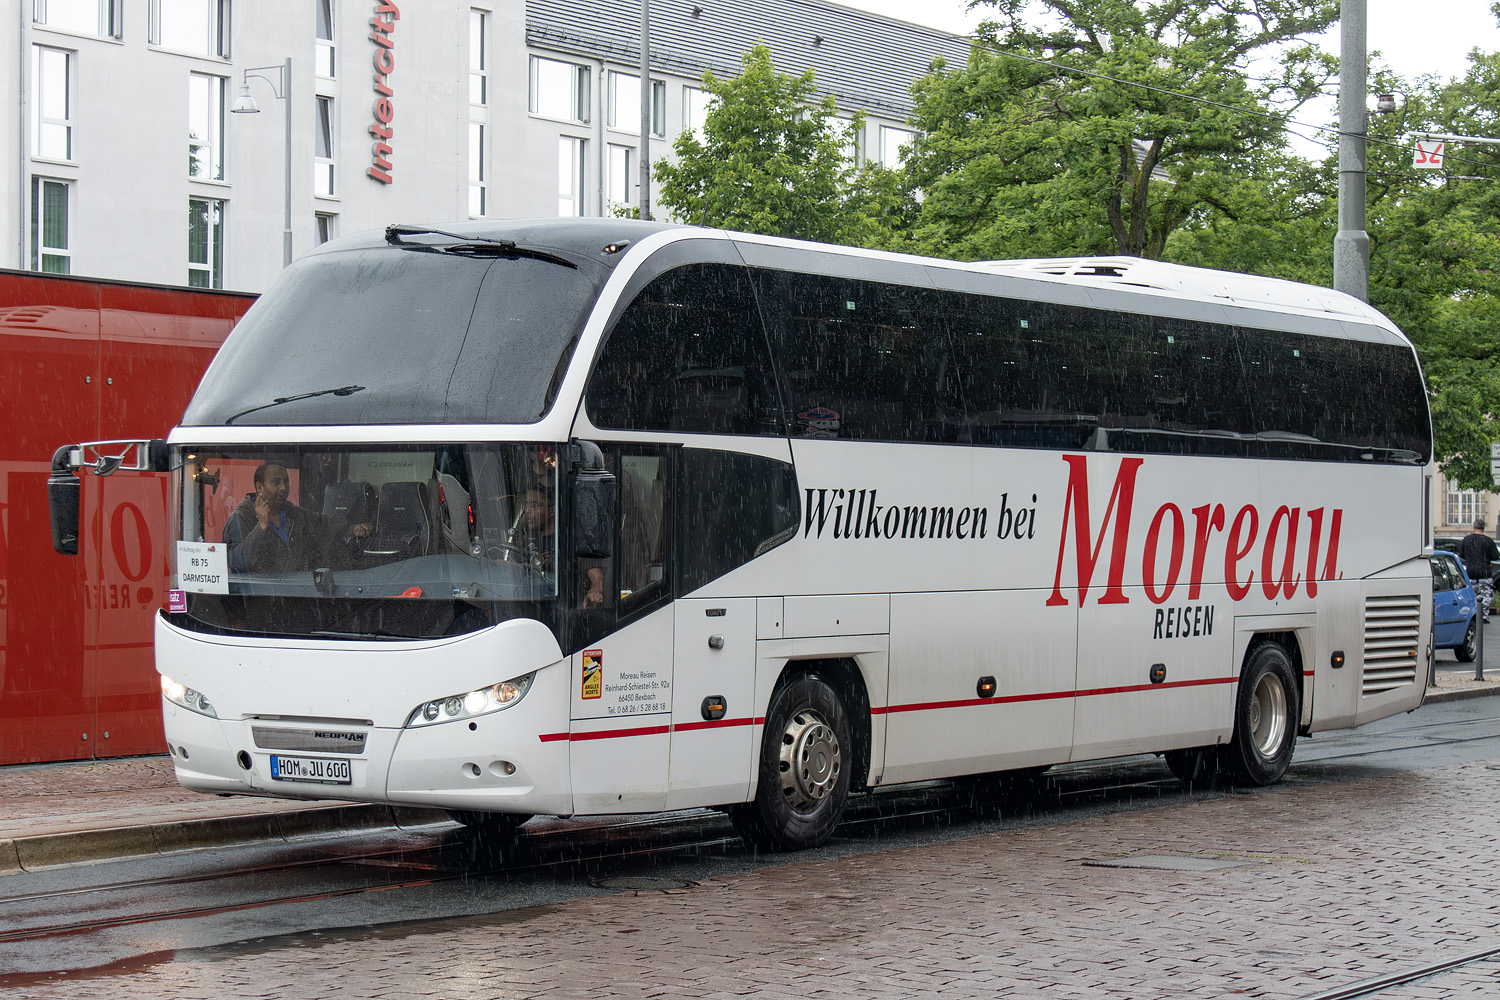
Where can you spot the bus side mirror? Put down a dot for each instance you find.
(593, 513)
(64, 498)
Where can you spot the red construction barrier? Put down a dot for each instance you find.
(88, 360)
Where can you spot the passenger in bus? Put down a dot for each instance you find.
(267, 533)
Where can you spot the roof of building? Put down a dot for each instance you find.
(865, 60)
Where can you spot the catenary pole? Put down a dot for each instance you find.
(1351, 247)
(645, 155)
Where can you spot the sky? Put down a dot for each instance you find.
(1413, 39)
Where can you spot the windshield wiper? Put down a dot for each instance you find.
(343, 390)
(469, 246)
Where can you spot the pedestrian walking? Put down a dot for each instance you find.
(1478, 551)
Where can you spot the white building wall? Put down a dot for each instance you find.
(128, 175)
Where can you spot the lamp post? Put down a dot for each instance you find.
(244, 104)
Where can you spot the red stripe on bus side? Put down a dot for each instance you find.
(714, 724)
(920, 707)
(1046, 696)
(610, 734)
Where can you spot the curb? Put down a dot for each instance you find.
(160, 839)
(1460, 694)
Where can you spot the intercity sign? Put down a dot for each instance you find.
(382, 33)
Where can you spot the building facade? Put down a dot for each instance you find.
(129, 161)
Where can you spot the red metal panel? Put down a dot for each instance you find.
(83, 360)
(49, 368)
(155, 344)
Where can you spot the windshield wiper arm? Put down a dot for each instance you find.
(343, 390)
(473, 246)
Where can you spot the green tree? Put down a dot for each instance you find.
(776, 159)
(1065, 134)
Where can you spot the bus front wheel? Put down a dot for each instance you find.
(1265, 719)
(804, 769)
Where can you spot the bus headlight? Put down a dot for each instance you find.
(455, 707)
(193, 701)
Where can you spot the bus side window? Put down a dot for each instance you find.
(688, 354)
(730, 509)
(641, 559)
(862, 360)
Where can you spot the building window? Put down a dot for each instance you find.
(853, 142)
(49, 226)
(323, 63)
(891, 141)
(52, 104)
(478, 170)
(695, 108)
(622, 180)
(324, 226)
(197, 26)
(1464, 506)
(206, 127)
(87, 17)
(206, 243)
(559, 90)
(625, 103)
(323, 147)
(479, 58)
(569, 176)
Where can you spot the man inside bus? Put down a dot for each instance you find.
(539, 517)
(268, 534)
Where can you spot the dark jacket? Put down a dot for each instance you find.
(1478, 550)
(310, 540)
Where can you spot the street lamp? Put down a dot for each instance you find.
(244, 104)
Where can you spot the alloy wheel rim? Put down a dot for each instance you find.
(1268, 716)
(811, 760)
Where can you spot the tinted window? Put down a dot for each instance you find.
(732, 508)
(861, 360)
(427, 337)
(688, 354)
(1331, 399)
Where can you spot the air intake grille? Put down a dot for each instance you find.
(317, 740)
(1393, 626)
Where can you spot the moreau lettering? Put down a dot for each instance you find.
(1282, 551)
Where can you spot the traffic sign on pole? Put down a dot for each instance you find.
(1429, 154)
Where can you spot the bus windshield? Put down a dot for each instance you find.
(385, 335)
(367, 540)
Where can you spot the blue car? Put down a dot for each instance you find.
(1454, 607)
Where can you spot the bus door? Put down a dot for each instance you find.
(713, 705)
(622, 676)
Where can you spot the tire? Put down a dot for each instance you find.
(1466, 652)
(504, 826)
(806, 753)
(1195, 766)
(1266, 716)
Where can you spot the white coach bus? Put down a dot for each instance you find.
(586, 517)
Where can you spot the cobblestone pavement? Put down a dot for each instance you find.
(1346, 881)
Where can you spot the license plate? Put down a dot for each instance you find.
(316, 770)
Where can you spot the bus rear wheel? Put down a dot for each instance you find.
(804, 769)
(1265, 719)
